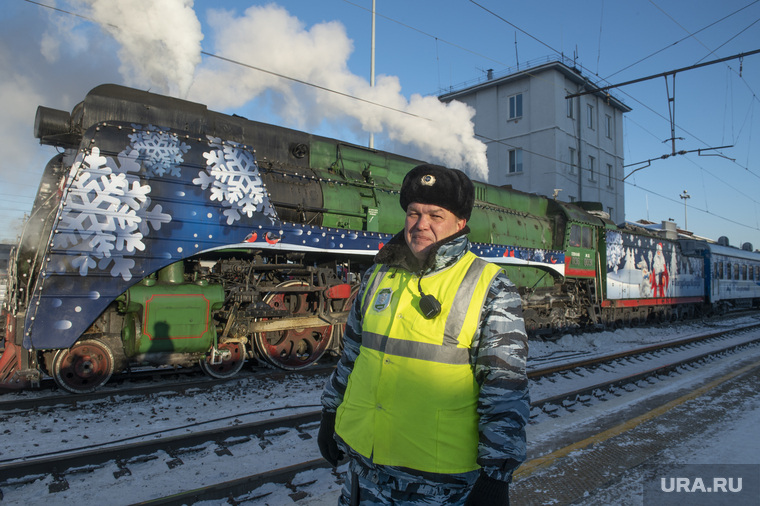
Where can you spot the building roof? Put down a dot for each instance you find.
(572, 73)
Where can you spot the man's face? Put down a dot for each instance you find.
(427, 224)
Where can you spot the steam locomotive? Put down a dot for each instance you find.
(164, 233)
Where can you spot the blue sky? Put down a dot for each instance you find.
(424, 47)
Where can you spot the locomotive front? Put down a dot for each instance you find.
(163, 237)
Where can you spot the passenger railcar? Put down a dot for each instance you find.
(732, 275)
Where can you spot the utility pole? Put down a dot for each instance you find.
(372, 68)
(685, 196)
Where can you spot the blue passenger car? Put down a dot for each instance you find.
(732, 275)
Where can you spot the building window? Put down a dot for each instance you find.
(591, 168)
(608, 126)
(573, 161)
(515, 161)
(610, 176)
(570, 112)
(590, 116)
(515, 106)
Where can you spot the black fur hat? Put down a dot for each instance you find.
(450, 189)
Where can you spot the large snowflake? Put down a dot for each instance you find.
(615, 250)
(233, 177)
(106, 210)
(160, 151)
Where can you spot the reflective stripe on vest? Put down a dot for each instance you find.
(411, 399)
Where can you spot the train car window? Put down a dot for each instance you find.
(736, 271)
(588, 237)
(575, 236)
(728, 270)
(744, 272)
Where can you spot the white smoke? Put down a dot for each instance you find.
(160, 41)
(160, 50)
(269, 38)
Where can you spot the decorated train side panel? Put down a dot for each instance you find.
(137, 199)
(646, 268)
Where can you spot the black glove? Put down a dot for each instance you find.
(488, 492)
(328, 447)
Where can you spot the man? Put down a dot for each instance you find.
(429, 399)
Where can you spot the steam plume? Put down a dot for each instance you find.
(268, 37)
(160, 49)
(160, 41)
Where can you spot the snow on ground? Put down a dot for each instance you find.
(735, 441)
(103, 421)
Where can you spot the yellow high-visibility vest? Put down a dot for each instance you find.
(411, 399)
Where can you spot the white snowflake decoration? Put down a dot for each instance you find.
(160, 151)
(106, 210)
(233, 177)
(615, 250)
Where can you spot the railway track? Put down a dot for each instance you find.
(59, 471)
(662, 359)
(149, 382)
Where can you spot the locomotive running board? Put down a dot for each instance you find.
(300, 322)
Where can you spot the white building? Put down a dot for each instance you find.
(541, 142)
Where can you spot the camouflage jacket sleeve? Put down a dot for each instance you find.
(332, 395)
(499, 353)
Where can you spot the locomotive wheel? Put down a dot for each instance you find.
(294, 348)
(84, 367)
(231, 363)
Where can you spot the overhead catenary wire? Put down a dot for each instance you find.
(598, 89)
(687, 37)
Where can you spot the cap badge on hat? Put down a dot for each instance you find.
(427, 180)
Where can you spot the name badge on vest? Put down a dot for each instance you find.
(383, 299)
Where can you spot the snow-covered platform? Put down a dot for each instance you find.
(613, 459)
